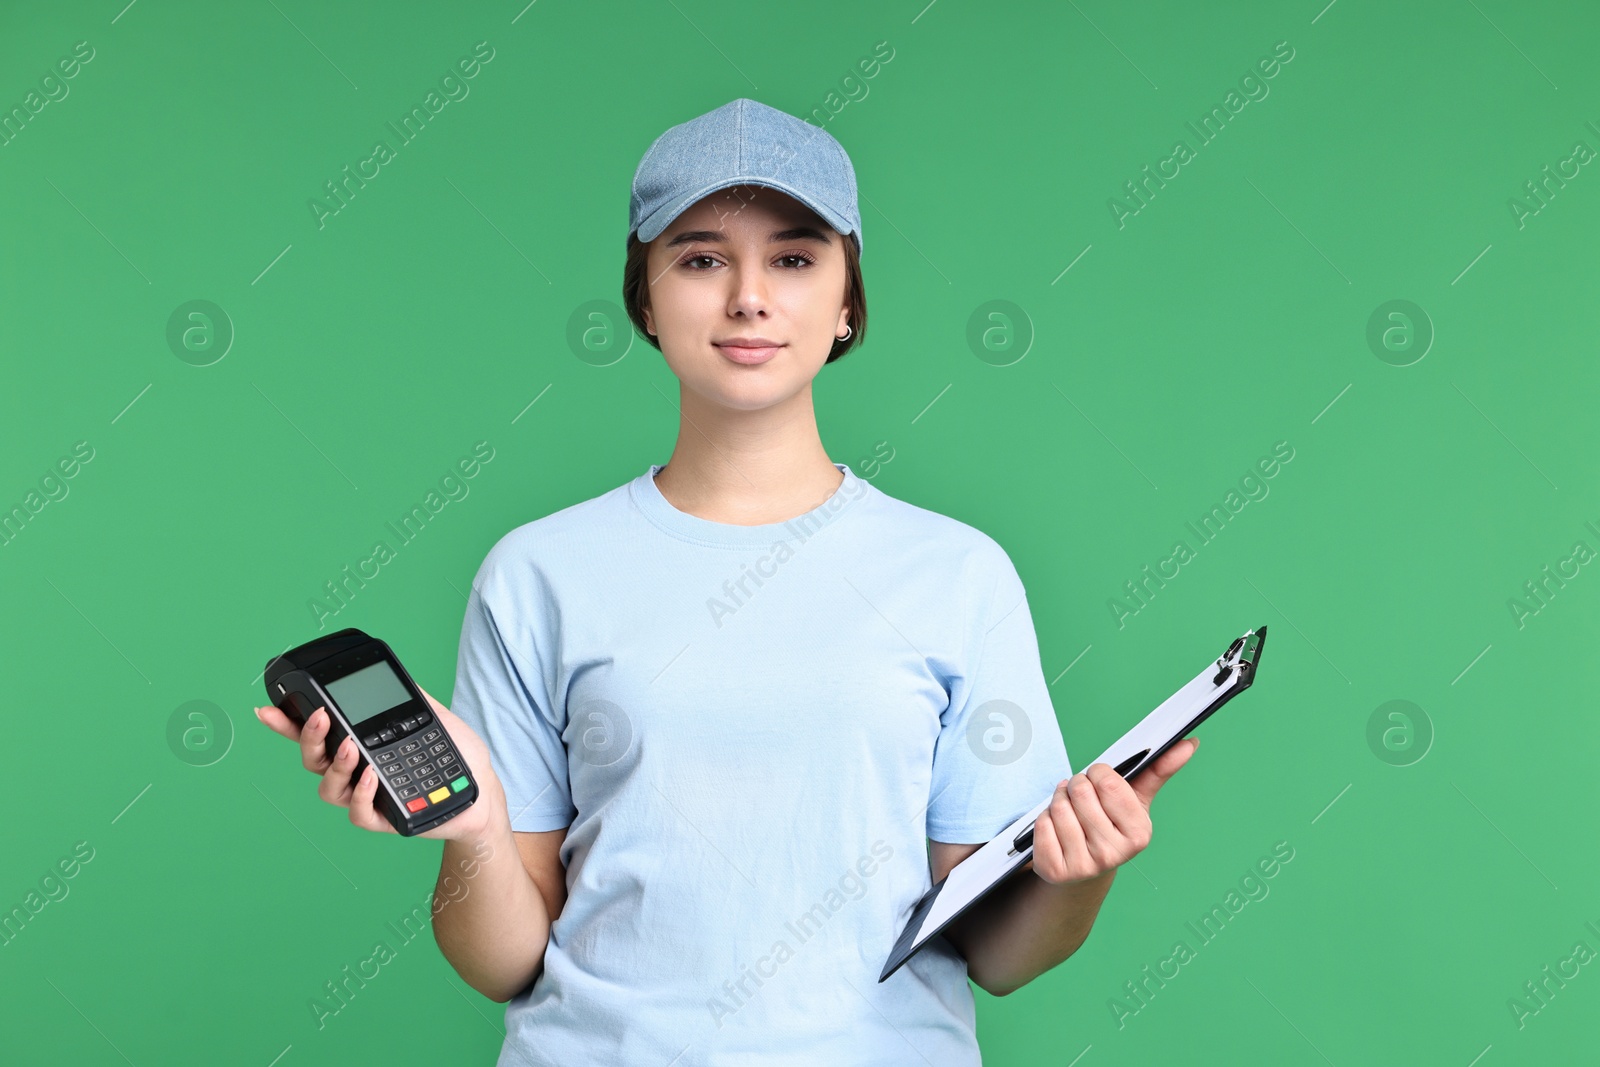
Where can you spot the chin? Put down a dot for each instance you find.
(749, 399)
(737, 389)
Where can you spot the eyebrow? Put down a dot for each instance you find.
(798, 233)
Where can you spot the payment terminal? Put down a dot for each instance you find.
(422, 779)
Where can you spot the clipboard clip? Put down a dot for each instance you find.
(1230, 659)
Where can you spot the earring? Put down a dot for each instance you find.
(849, 332)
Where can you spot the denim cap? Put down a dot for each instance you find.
(743, 142)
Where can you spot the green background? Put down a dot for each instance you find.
(1433, 874)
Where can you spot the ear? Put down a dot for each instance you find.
(844, 320)
(649, 323)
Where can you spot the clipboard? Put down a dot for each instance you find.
(974, 877)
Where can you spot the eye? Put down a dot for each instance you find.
(800, 261)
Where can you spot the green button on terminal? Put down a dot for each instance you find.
(459, 784)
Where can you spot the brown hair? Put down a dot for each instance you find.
(636, 293)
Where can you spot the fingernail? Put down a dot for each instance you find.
(258, 714)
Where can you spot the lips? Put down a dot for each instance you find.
(750, 353)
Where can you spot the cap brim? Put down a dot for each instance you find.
(662, 217)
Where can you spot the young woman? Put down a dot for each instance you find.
(731, 719)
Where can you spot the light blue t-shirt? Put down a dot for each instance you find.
(749, 732)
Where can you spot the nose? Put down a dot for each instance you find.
(749, 296)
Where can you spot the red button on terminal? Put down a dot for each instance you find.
(417, 804)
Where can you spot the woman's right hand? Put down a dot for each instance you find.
(337, 788)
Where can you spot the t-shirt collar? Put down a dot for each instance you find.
(681, 524)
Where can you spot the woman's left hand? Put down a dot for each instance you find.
(1098, 820)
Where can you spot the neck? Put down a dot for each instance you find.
(747, 468)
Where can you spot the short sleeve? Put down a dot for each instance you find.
(1000, 750)
(500, 693)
